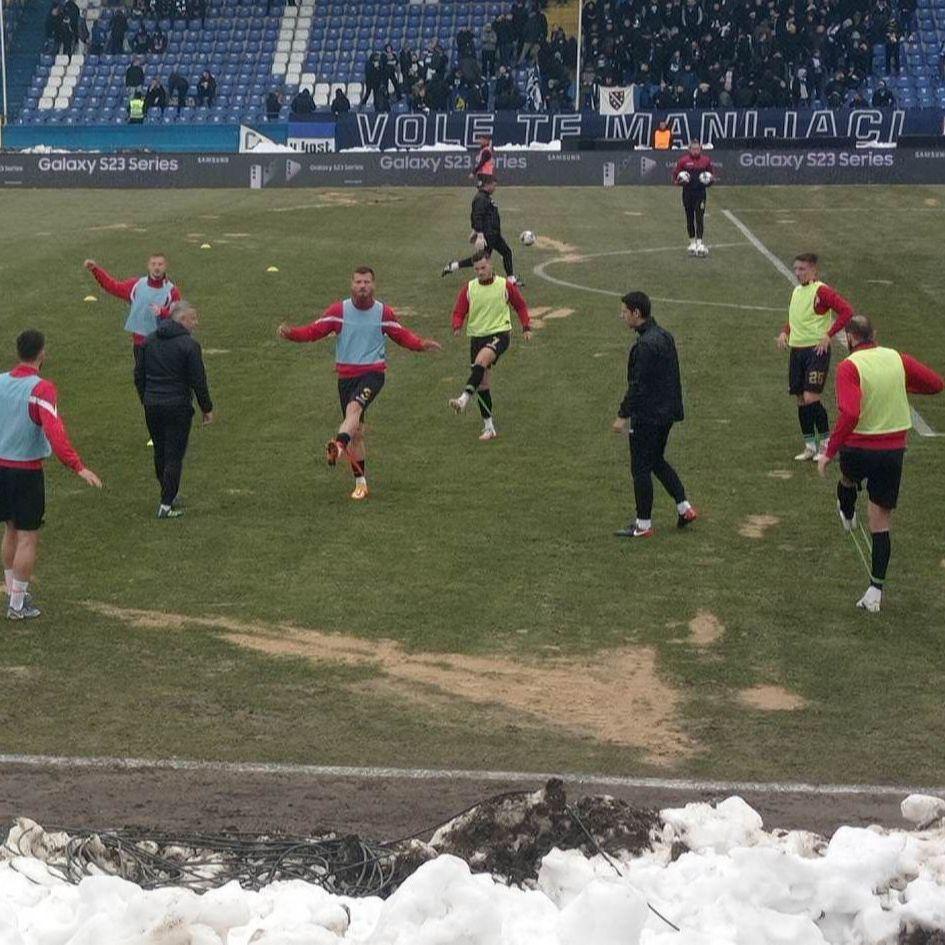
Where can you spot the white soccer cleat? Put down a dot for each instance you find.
(701, 249)
(488, 433)
(809, 454)
(459, 404)
(871, 600)
(848, 523)
(693, 247)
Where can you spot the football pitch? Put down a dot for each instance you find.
(476, 611)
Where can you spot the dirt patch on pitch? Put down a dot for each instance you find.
(616, 696)
(755, 526)
(547, 243)
(705, 629)
(780, 474)
(771, 699)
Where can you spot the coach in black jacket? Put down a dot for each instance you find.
(652, 404)
(168, 375)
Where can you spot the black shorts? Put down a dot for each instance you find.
(882, 470)
(362, 389)
(807, 371)
(22, 497)
(499, 343)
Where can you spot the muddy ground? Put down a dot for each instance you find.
(377, 809)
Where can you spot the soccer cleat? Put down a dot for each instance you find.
(459, 404)
(515, 280)
(26, 612)
(168, 511)
(693, 248)
(360, 492)
(447, 270)
(848, 523)
(701, 249)
(634, 531)
(686, 518)
(871, 600)
(488, 434)
(810, 453)
(334, 450)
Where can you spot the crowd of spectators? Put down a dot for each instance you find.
(741, 53)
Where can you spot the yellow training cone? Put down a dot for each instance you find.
(205, 246)
(90, 298)
(272, 269)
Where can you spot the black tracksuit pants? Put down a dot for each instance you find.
(494, 241)
(169, 426)
(647, 446)
(694, 205)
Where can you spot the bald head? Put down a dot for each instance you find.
(184, 314)
(859, 330)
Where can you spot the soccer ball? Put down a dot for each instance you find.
(527, 237)
(705, 178)
(684, 177)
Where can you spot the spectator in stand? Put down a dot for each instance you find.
(302, 104)
(70, 10)
(158, 41)
(704, 97)
(507, 96)
(941, 60)
(155, 97)
(178, 86)
(273, 105)
(519, 15)
(490, 43)
(836, 90)
(119, 27)
(197, 10)
(391, 66)
(373, 76)
(893, 44)
(418, 97)
(141, 43)
(136, 108)
(882, 97)
(206, 89)
(800, 90)
(134, 75)
(465, 43)
(53, 19)
(98, 38)
(438, 93)
(534, 35)
(505, 38)
(340, 104)
(65, 38)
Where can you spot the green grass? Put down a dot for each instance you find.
(501, 550)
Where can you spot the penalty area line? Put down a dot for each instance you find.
(441, 774)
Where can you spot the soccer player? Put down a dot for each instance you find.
(652, 404)
(486, 233)
(485, 160)
(694, 173)
(151, 297)
(808, 333)
(484, 304)
(30, 429)
(873, 421)
(363, 324)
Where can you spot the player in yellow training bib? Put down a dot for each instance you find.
(485, 305)
(807, 334)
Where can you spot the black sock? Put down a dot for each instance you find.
(344, 439)
(475, 377)
(821, 420)
(485, 403)
(806, 420)
(847, 497)
(357, 467)
(882, 548)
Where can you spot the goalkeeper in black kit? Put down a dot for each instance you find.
(486, 233)
(695, 174)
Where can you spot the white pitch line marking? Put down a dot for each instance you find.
(539, 271)
(922, 428)
(434, 774)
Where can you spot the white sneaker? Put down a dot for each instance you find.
(693, 247)
(488, 433)
(460, 403)
(701, 249)
(871, 600)
(810, 453)
(849, 524)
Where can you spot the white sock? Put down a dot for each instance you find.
(488, 424)
(464, 398)
(683, 507)
(8, 579)
(643, 524)
(360, 481)
(18, 593)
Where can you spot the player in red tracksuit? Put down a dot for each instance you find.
(485, 161)
(870, 436)
(688, 174)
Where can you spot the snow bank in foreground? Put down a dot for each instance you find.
(736, 884)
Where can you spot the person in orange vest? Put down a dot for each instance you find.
(870, 436)
(663, 137)
(485, 161)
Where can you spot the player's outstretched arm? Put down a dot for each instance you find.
(120, 288)
(329, 323)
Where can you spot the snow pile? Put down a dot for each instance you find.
(713, 871)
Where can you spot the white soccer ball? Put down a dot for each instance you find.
(683, 177)
(527, 237)
(705, 178)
